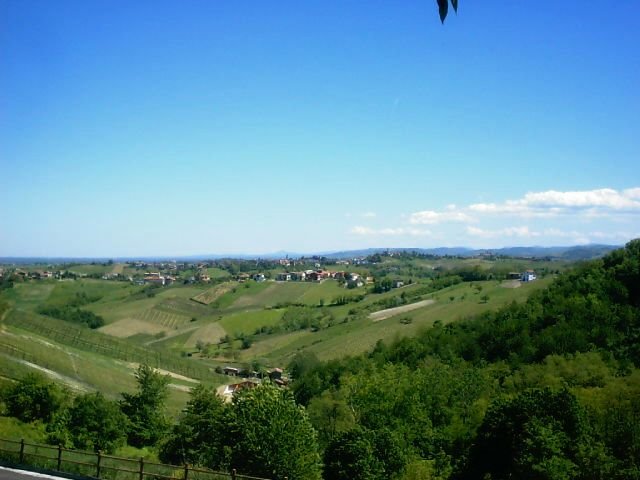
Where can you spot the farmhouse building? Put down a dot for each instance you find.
(528, 276)
(154, 278)
(234, 372)
(227, 391)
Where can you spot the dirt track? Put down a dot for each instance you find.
(390, 312)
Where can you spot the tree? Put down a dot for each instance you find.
(330, 415)
(91, 423)
(362, 454)
(201, 437)
(144, 409)
(34, 398)
(302, 363)
(536, 435)
(351, 455)
(273, 435)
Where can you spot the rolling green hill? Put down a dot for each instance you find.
(189, 329)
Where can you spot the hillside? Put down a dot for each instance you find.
(192, 328)
(547, 388)
(415, 380)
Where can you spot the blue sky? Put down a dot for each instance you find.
(174, 128)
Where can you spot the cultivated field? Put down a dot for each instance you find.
(214, 293)
(159, 317)
(392, 312)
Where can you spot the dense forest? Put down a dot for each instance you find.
(545, 389)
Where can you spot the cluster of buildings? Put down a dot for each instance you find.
(34, 274)
(318, 276)
(526, 276)
(275, 375)
(155, 278)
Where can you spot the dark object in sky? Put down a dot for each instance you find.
(443, 7)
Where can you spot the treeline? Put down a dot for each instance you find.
(549, 389)
(73, 314)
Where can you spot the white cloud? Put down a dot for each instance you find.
(521, 232)
(604, 197)
(633, 193)
(571, 236)
(400, 231)
(552, 216)
(369, 215)
(551, 203)
(429, 217)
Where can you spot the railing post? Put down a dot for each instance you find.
(186, 471)
(22, 450)
(141, 477)
(59, 457)
(98, 463)
(233, 474)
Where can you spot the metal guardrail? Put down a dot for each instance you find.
(104, 467)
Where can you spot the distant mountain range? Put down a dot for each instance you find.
(581, 252)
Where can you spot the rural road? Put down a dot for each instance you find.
(390, 312)
(13, 474)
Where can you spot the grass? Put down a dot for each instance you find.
(14, 429)
(85, 339)
(327, 291)
(362, 334)
(249, 322)
(79, 370)
(157, 316)
(246, 289)
(271, 294)
(216, 273)
(29, 295)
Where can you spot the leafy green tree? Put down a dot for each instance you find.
(537, 435)
(91, 423)
(201, 437)
(362, 454)
(34, 398)
(273, 435)
(351, 455)
(145, 409)
(330, 415)
(302, 363)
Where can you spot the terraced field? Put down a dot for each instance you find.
(129, 327)
(183, 306)
(159, 317)
(214, 293)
